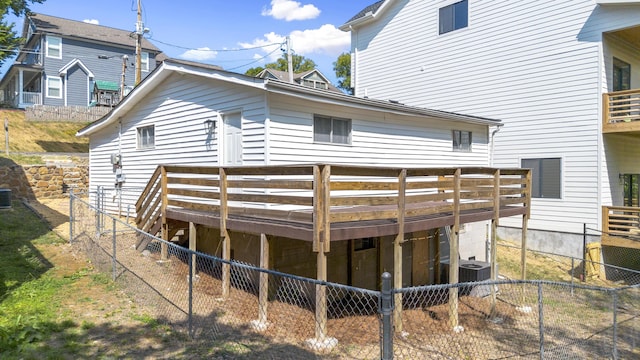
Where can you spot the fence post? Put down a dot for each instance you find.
(191, 256)
(541, 320)
(584, 252)
(386, 309)
(70, 216)
(615, 324)
(114, 261)
(573, 270)
(98, 211)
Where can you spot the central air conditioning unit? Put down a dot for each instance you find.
(468, 271)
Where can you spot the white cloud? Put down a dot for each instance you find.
(326, 40)
(199, 54)
(290, 10)
(91, 21)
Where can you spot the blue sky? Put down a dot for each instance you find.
(210, 31)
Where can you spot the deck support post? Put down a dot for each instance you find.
(164, 248)
(523, 245)
(494, 238)
(192, 246)
(453, 255)
(263, 290)
(397, 250)
(321, 245)
(224, 234)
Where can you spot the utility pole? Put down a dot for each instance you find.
(289, 60)
(139, 33)
(125, 58)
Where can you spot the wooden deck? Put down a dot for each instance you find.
(326, 203)
(621, 112)
(351, 202)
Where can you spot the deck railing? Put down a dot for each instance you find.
(31, 98)
(621, 111)
(621, 226)
(325, 194)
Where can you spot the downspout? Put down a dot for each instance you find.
(600, 139)
(491, 148)
(354, 57)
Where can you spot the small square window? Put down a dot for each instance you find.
(461, 140)
(146, 137)
(545, 177)
(454, 17)
(331, 130)
(54, 87)
(54, 47)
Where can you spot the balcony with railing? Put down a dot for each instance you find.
(621, 226)
(621, 112)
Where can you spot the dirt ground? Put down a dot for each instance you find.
(114, 326)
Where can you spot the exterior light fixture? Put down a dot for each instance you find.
(210, 126)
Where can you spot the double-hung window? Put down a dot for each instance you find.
(454, 17)
(54, 87)
(144, 61)
(545, 177)
(461, 140)
(328, 129)
(146, 137)
(54, 47)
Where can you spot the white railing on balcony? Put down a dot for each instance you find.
(31, 98)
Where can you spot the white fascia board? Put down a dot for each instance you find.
(617, 2)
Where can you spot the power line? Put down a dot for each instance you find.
(216, 50)
(255, 61)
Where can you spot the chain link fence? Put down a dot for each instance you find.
(500, 320)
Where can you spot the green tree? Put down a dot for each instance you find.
(342, 68)
(299, 62)
(9, 39)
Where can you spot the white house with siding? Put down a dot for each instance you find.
(186, 113)
(546, 69)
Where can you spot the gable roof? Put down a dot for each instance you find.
(72, 63)
(364, 14)
(297, 77)
(173, 66)
(47, 24)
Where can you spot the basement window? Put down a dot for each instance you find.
(146, 137)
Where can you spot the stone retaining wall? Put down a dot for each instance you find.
(44, 181)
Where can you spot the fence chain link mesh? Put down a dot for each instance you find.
(496, 320)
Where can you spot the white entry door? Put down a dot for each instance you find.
(232, 144)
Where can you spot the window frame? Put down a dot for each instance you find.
(450, 12)
(333, 120)
(49, 87)
(140, 136)
(621, 76)
(144, 61)
(539, 187)
(460, 146)
(50, 46)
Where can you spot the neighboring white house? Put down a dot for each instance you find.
(541, 67)
(196, 114)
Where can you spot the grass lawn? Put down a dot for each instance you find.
(54, 305)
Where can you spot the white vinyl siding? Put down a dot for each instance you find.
(178, 113)
(376, 138)
(535, 65)
(54, 47)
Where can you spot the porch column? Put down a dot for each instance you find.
(453, 255)
(224, 234)
(397, 250)
(20, 88)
